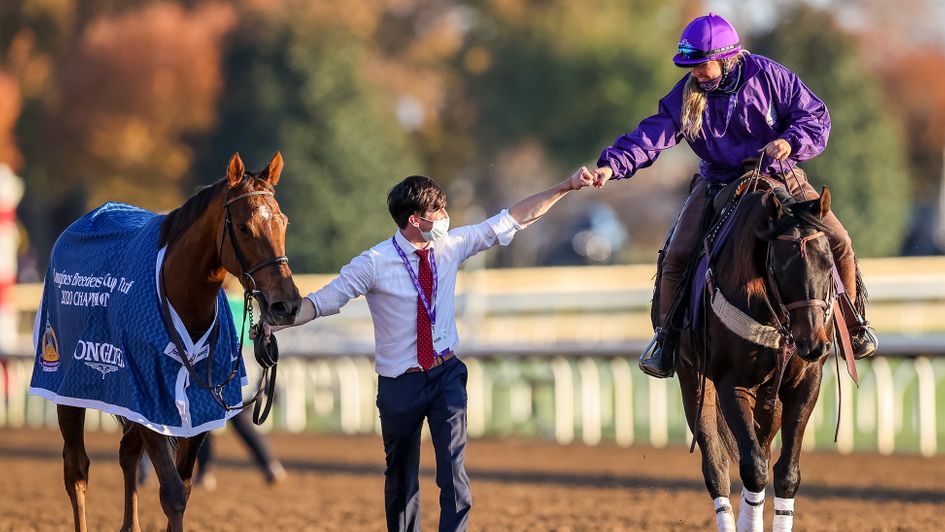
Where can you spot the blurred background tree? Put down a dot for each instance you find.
(112, 101)
(141, 101)
(864, 163)
(294, 83)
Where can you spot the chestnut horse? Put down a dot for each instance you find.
(754, 366)
(235, 226)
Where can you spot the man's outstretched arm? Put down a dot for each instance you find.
(535, 206)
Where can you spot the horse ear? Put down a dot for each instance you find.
(824, 201)
(274, 170)
(235, 170)
(773, 207)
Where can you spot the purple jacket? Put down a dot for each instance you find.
(771, 103)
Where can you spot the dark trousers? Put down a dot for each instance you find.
(438, 395)
(242, 423)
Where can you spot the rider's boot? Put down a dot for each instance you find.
(651, 361)
(864, 340)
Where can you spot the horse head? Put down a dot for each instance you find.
(799, 270)
(252, 246)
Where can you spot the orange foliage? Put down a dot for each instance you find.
(135, 85)
(9, 112)
(918, 88)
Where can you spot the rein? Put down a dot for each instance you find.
(779, 335)
(266, 356)
(782, 316)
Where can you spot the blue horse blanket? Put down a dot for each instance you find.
(100, 338)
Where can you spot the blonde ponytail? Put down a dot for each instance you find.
(692, 108)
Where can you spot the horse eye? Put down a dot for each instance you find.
(244, 228)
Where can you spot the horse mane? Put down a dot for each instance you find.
(181, 218)
(737, 258)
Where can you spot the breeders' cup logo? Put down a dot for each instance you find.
(101, 356)
(49, 356)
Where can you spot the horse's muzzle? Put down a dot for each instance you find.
(812, 351)
(282, 312)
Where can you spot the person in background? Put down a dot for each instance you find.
(271, 468)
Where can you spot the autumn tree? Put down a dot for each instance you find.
(295, 83)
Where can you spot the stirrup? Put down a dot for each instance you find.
(651, 361)
(865, 340)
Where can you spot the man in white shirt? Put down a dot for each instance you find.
(409, 281)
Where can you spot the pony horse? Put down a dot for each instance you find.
(93, 309)
(754, 364)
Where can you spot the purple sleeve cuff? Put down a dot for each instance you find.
(606, 160)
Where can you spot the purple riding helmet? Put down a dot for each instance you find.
(707, 38)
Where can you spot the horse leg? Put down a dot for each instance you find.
(75, 461)
(129, 456)
(186, 458)
(798, 403)
(738, 404)
(709, 436)
(173, 495)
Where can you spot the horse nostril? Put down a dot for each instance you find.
(819, 349)
(279, 309)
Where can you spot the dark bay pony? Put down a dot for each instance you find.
(235, 226)
(756, 366)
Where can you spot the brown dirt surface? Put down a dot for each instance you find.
(336, 483)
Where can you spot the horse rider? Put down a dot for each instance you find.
(730, 107)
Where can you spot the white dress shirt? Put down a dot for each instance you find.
(379, 274)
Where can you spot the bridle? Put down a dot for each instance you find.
(247, 272)
(779, 309)
(266, 355)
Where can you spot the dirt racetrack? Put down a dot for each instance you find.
(336, 483)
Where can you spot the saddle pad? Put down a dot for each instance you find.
(100, 339)
(699, 280)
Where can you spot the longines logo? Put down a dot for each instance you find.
(103, 356)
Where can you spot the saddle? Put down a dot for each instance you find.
(685, 310)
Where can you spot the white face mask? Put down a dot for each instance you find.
(438, 231)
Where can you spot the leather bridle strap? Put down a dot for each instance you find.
(802, 240)
(247, 271)
(808, 303)
(271, 356)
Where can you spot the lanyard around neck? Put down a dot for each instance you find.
(427, 304)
